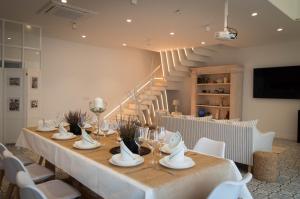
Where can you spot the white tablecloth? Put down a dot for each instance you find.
(97, 177)
(100, 179)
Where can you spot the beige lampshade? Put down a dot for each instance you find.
(175, 102)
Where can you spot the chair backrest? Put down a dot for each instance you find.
(229, 189)
(210, 147)
(2, 149)
(12, 165)
(28, 190)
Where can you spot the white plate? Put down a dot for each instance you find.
(65, 136)
(109, 132)
(187, 163)
(117, 160)
(44, 129)
(79, 145)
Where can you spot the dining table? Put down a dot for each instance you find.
(145, 181)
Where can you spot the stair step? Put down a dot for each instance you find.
(147, 102)
(185, 61)
(149, 92)
(177, 64)
(127, 111)
(174, 79)
(193, 56)
(203, 51)
(133, 106)
(158, 88)
(149, 97)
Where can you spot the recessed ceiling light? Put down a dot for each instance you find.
(254, 14)
(279, 29)
(64, 1)
(28, 26)
(203, 43)
(124, 44)
(172, 33)
(128, 20)
(83, 36)
(9, 38)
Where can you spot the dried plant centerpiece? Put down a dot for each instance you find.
(73, 118)
(127, 133)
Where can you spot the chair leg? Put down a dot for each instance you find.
(1, 177)
(9, 192)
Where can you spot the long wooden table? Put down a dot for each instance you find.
(92, 168)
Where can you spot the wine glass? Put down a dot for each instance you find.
(139, 137)
(161, 137)
(104, 127)
(152, 141)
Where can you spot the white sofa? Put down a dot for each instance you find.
(241, 140)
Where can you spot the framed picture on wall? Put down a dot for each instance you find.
(14, 104)
(14, 81)
(34, 82)
(34, 104)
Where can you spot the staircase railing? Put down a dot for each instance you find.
(135, 91)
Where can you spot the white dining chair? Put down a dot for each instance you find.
(26, 161)
(12, 165)
(210, 147)
(230, 189)
(47, 190)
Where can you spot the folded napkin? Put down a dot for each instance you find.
(42, 124)
(61, 129)
(126, 154)
(177, 156)
(175, 140)
(86, 138)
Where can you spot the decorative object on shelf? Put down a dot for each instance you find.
(73, 118)
(97, 106)
(127, 133)
(176, 103)
(225, 80)
(201, 112)
(219, 81)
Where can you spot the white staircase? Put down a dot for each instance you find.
(150, 96)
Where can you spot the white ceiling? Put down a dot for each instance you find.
(153, 20)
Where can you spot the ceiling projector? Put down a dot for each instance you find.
(228, 33)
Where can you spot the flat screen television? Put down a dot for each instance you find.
(277, 82)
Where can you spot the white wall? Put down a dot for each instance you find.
(279, 115)
(73, 74)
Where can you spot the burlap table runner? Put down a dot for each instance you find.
(196, 182)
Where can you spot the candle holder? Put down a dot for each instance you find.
(97, 109)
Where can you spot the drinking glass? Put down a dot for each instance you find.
(140, 137)
(161, 137)
(152, 141)
(104, 127)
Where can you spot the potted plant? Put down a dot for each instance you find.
(73, 118)
(127, 132)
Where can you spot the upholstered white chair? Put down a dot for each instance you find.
(230, 189)
(12, 165)
(210, 147)
(47, 190)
